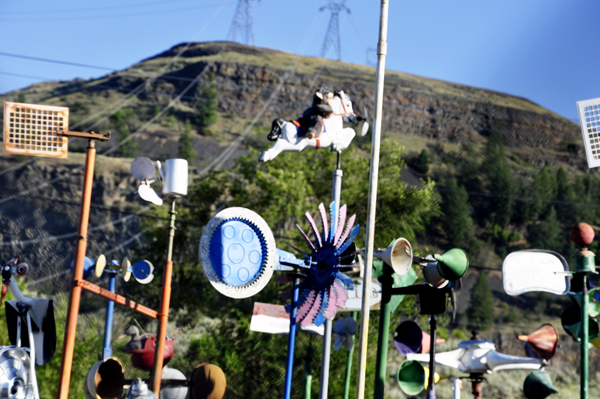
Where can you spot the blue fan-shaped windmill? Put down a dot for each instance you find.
(322, 291)
(238, 255)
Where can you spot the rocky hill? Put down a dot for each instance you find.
(40, 198)
(256, 81)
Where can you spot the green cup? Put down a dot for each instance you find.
(538, 385)
(452, 264)
(411, 377)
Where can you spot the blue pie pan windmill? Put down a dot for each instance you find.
(322, 291)
(238, 256)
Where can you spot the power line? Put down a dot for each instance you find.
(107, 208)
(111, 16)
(13, 243)
(122, 102)
(392, 103)
(405, 121)
(113, 7)
(154, 118)
(121, 245)
(125, 99)
(522, 199)
(150, 77)
(43, 79)
(27, 57)
(218, 162)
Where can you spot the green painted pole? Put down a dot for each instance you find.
(349, 364)
(582, 235)
(308, 373)
(384, 334)
(584, 339)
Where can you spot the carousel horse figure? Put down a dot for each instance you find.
(293, 137)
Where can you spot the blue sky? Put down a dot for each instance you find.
(543, 50)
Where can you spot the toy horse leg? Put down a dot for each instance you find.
(343, 138)
(288, 142)
(282, 145)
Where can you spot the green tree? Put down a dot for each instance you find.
(208, 104)
(422, 165)
(548, 234)
(523, 210)
(186, 147)
(566, 197)
(123, 120)
(542, 192)
(455, 207)
(468, 170)
(499, 180)
(481, 307)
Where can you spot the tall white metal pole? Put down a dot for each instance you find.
(374, 177)
(326, 353)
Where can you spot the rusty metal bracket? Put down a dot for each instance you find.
(84, 135)
(121, 300)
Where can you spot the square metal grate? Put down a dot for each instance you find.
(589, 116)
(31, 129)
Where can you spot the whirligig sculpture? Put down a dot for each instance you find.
(238, 250)
(548, 271)
(238, 256)
(141, 348)
(476, 358)
(320, 126)
(32, 334)
(441, 273)
(322, 291)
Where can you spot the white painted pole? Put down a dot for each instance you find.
(326, 353)
(456, 385)
(374, 177)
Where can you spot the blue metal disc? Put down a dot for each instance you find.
(88, 267)
(141, 269)
(237, 252)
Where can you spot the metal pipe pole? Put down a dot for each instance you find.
(349, 364)
(326, 353)
(456, 383)
(291, 340)
(584, 339)
(163, 313)
(384, 334)
(374, 177)
(75, 295)
(431, 383)
(108, 321)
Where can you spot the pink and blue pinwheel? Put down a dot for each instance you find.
(322, 290)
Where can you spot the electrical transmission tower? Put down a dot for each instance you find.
(242, 23)
(332, 38)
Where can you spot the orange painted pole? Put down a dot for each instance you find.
(121, 300)
(75, 295)
(163, 312)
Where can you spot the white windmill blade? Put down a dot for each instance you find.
(142, 168)
(148, 194)
(450, 359)
(499, 361)
(365, 126)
